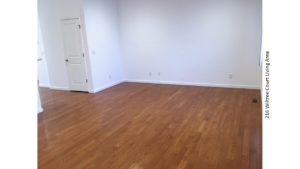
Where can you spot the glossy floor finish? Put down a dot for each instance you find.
(148, 126)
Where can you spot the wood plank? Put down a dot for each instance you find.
(150, 126)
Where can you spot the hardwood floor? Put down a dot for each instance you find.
(148, 126)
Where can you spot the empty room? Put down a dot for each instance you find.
(149, 84)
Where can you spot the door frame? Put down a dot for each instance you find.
(41, 52)
(85, 51)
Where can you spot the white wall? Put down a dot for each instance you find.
(100, 31)
(196, 42)
(50, 14)
(101, 21)
(192, 41)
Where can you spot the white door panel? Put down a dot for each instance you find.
(74, 55)
(76, 74)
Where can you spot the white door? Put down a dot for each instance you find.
(74, 55)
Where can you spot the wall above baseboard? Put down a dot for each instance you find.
(194, 84)
(187, 45)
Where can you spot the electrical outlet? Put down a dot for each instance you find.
(150, 73)
(230, 76)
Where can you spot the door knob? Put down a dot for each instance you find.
(67, 60)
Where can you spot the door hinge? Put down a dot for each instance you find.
(79, 26)
(86, 80)
(82, 54)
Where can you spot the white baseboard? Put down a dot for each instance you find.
(91, 91)
(44, 85)
(40, 110)
(165, 82)
(106, 87)
(195, 84)
(59, 88)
